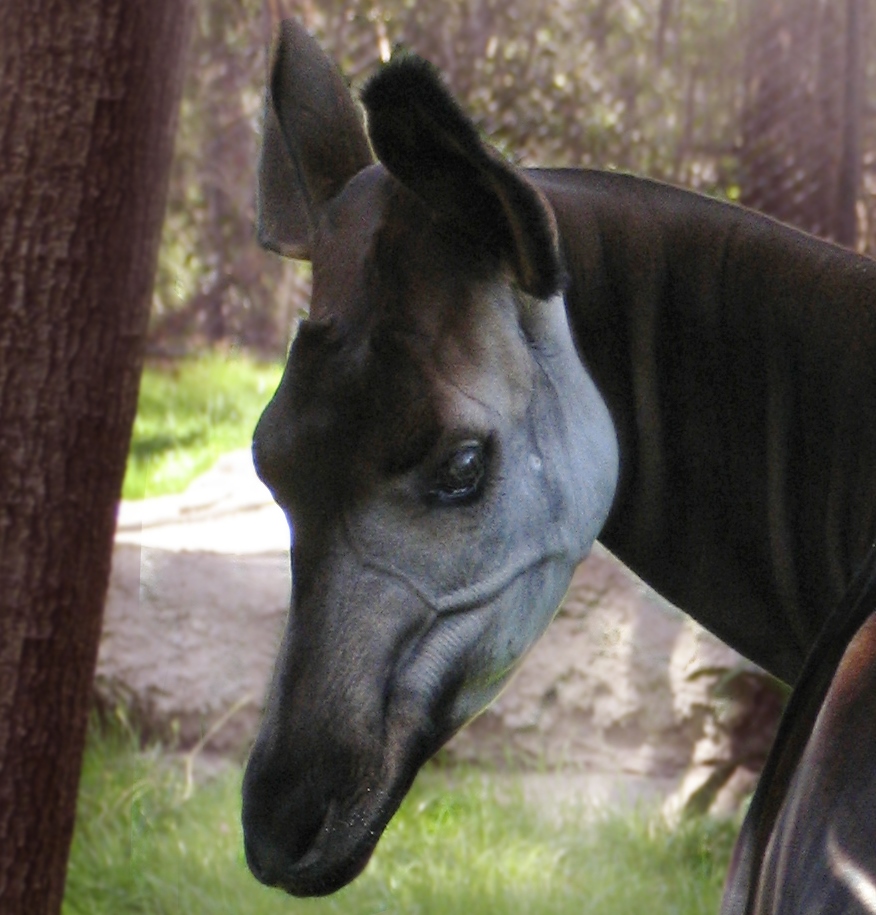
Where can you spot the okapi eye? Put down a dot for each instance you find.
(460, 476)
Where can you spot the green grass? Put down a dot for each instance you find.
(189, 414)
(460, 844)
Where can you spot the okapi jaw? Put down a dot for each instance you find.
(445, 462)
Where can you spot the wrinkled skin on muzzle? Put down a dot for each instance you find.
(443, 457)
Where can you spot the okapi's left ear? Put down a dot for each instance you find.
(422, 136)
(313, 142)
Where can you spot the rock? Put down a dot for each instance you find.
(621, 683)
(197, 600)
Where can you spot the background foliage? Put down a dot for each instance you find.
(771, 102)
(189, 413)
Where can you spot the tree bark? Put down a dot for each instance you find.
(850, 166)
(801, 153)
(89, 91)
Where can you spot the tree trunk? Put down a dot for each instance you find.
(89, 91)
(801, 156)
(849, 184)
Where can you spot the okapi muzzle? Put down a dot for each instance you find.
(442, 455)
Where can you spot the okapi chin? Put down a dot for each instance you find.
(501, 365)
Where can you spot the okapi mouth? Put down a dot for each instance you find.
(327, 865)
(319, 858)
(315, 806)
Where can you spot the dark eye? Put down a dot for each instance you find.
(461, 475)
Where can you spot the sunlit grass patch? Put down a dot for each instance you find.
(463, 842)
(455, 847)
(191, 412)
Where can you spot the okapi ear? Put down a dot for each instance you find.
(423, 137)
(313, 142)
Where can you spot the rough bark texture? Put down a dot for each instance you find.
(88, 96)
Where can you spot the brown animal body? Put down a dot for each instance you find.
(499, 366)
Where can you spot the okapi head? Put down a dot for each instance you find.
(443, 458)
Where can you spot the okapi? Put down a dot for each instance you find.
(501, 365)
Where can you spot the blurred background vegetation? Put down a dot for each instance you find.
(768, 102)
